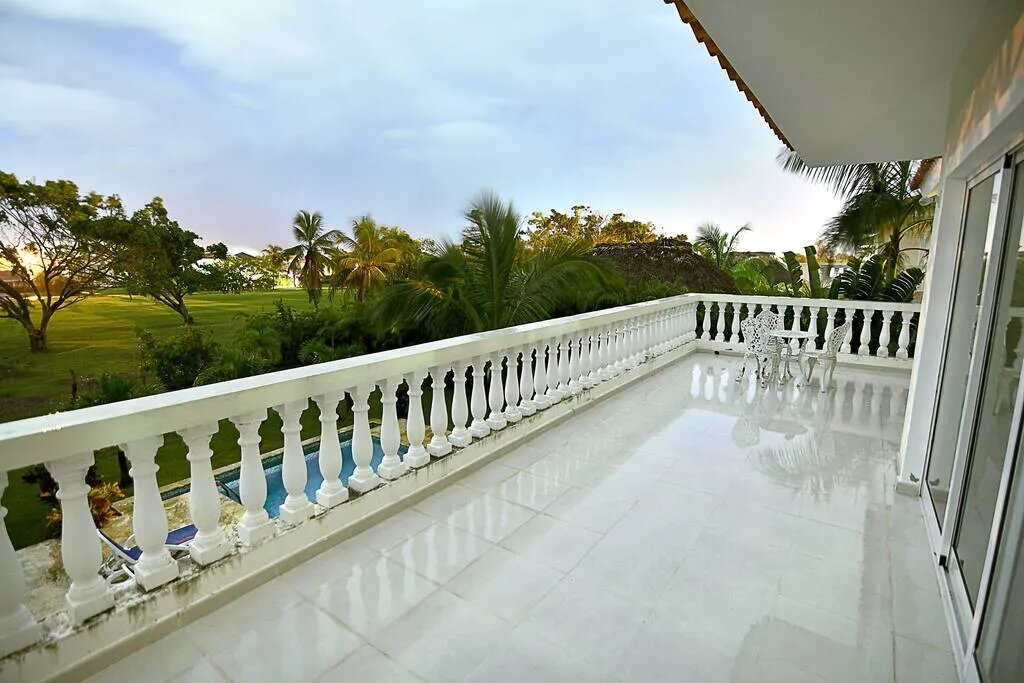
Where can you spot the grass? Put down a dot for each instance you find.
(98, 336)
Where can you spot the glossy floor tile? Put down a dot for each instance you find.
(687, 528)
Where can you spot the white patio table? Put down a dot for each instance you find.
(783, 354)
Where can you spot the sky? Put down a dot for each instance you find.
(239, 113)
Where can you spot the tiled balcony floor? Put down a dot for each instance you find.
(687, 529)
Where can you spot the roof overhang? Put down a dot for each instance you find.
(841, 81)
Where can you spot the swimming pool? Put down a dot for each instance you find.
(276, 493)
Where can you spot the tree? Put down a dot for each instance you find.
(583, 223)
(310, 255)
(50, 240)
(364, 261)
(217, 250)
(491, 280)
(159, 259)
(275, 256)
(880, 210)
(717, 245)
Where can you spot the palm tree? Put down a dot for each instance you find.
(364, 260)
(491, 280)
(309, 256)
(717, 245)
(879, 209)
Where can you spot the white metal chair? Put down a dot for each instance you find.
(827, 356)
(756, 340)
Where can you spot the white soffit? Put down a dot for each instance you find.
(848, 81)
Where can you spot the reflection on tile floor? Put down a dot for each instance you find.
(688, 528)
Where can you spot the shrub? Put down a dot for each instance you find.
(177, 361)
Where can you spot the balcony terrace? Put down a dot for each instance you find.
(621, 509)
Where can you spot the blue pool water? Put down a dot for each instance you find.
(276, 492)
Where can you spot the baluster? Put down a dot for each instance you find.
(297, 507)
(629, 344)
(18, 628)
(540, 382)
(149, 519)
(255, 524)
(391, 466)
(903, 345)
(210, 543)
(496, 396)
(554, 393)
(737, 311)
(865, 333)
(575, 365)
(527, 406)
(478, 400)
(415, 430)
(883, 336)
(460, 435)
(512, 411)
(439, 444)
(331, 492)
(830, 317)
(617, 349)
(709, 313)
(812, 326)
(80, 550)
(847, 340)
(794, 344)
(594, 358)
(565, 365)
(363, 477)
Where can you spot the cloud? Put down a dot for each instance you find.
(36, 107)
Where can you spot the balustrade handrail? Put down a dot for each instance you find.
(821, 303)
(63, 434)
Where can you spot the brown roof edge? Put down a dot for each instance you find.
(921, 172)
(690, 19)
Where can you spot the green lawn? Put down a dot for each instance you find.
(97, 336)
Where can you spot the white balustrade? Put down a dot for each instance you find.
(812, 326)
(363, 477)
(540, 378)
(830, 324)
(297, 507)
(553, 393)
(439, 444)
(415, 429)
(513, 413)
(575, 352)
(391, 466)
(903, 344)
(848, 337)
(594, 359)
(80, 551)
(18, 628)
(478, 401)
(149, 519)
(737, 311)
(331, 492)
(255, 524)
(210, 542)
(495, 395)
(864, 348)
(460, 436)
(564, 366)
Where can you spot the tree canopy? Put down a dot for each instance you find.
(584, 224)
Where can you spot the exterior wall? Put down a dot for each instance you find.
(986, 114)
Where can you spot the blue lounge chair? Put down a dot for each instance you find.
(123, 557)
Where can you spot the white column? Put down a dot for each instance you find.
(415, 429)
(255, 524)
(439, 444)
(553, 393)
(297, 507)
(883, 337)
(149, 519)
(80, 550)
(903, 345)
(496, 395)
(363, 477)
(540, 382)
(865, 333)
(331, 492)
(847, 340)
(18, 628)
(721, 319)
(210, 543)
(391, 466)
(813, 327)
(583, 362)
(575, 351)
(527, 406)
(460, 435)
(798, 312)
(478, 401)
(830, 318)
(512, 412)
(565, 355)
(616, 348)
(594, 358)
